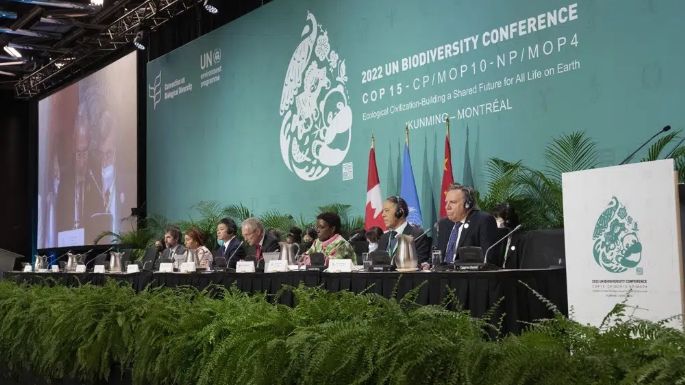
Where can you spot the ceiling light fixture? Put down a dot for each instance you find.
(210, 7)
(138, 41)
(12, 51)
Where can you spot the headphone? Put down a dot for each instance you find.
(402, 208)
(469, 195)
(231, 227)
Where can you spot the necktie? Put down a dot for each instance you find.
(392, 242)
(452, 243)
(222, 250)
(258, 254)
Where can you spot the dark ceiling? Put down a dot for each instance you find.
(60, 40)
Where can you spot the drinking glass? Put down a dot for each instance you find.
(436, 259)
(366, 261)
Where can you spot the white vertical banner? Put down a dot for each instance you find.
(622, 240)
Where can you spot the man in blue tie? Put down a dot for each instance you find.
(395, 212)
(465, 225)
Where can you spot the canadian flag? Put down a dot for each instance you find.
(374, 200)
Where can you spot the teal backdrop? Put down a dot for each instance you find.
(276, 109)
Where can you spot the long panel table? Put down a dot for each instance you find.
(479, 292)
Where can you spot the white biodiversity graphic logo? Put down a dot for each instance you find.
(316, 130)
(155, 90)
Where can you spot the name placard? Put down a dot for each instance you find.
(340, 266)
(280, 265)
(80, 268)
(166, 267)
(132, 268)
(244, 267)
(99, 269)
(188, 267)
(54, 269)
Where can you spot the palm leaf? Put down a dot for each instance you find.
(657, 147)
(238, 212)
(274, 219)
(572, 152)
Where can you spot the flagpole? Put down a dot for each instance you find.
(406, 134)
(447, 120)
(373, 141)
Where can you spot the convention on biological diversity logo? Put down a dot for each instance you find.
(155, 90)
(617, 246)
(316, 130)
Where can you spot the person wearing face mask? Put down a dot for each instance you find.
(372, 236)
(329, 242)
(230, 247)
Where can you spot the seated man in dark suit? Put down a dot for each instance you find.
(174, 251)
(465, 225)
(395, 211)
(230, 247)
(259, 240)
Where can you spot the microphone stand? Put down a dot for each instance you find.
(644, 144)
(485, 259)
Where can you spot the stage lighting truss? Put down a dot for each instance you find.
(150, 14)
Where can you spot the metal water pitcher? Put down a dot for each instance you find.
(289, 252)
(40, 263)
(115, 261)
(406, 259)
(72, 261)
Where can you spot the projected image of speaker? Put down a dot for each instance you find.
(87, 162)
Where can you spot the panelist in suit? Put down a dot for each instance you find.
(259, 240)
(174, 251)
(395, 211)
(230, 247)
(465, 225)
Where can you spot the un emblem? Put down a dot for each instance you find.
(617, 246)
(316, 130)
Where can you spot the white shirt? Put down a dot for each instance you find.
(400, 229)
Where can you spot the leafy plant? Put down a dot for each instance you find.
(224, 336)
(537, 195)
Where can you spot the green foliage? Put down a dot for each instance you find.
(184, 336)
(537, 195)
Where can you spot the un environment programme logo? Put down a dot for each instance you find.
(617, 246)
(316, 130)
(155, 90)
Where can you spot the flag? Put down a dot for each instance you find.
(447, 176)
(374, 198)
(408, 187)
(467, 180)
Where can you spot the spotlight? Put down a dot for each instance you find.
(210, 7)
(138, 41)
(12, 51)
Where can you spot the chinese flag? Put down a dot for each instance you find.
(447, 178)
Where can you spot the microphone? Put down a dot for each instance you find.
(485, 259)
(644, 144)
(430, 229)
(228, 262)
(355, 236)
(62, 256)
(670, 154)
(95, 259)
